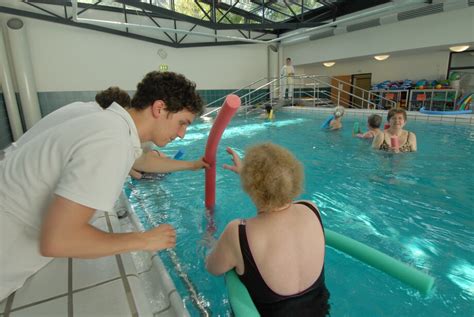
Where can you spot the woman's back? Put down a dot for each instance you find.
(288, 248)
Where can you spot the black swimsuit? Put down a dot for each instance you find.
(311, 302)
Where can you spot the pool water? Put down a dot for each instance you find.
(416, 207)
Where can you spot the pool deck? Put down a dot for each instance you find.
(131, 284)
(466, 119)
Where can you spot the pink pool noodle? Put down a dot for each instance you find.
(394, 142)
(231, 104)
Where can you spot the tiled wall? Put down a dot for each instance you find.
(50, 101)
(210, 95)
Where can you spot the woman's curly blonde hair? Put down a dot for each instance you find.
(271, 176)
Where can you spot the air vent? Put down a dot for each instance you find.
(471, 3)
(321, 35)
(363, 25)
(431, 9)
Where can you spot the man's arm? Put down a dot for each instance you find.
(66, 232)
(150, 162)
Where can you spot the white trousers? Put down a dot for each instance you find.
(284, 83)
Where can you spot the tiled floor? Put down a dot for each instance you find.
(122, 285)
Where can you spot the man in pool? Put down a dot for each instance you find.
(52, 187)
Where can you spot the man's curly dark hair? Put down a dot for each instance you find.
(174, 89)
(105, 97)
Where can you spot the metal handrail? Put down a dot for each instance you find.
(249, 94)
(236, 91)
(365, 92)
(317, 80)
(348, 93)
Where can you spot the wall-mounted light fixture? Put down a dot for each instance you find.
(381, 57)
(460, 48)
(329, 64)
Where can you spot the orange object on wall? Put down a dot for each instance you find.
(421, 97)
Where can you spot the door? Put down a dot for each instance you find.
(340, 89)
(360, 84)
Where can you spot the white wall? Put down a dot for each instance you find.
(408, 66)
(73, 59)
(437, 30)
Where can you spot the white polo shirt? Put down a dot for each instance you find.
(67, 112)
(85, 160)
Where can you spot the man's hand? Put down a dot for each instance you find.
(199, 164)
(159, 238)
(135, 174)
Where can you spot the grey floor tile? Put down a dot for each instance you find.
(101, 301)
(53, 308)
(87, 272)
(50, 281)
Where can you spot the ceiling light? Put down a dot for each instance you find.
(460, 48)
(329, 64)
(381, 57)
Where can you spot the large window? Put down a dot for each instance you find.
(461, 65)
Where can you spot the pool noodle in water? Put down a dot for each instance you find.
(239, 297)
(356, 128)
(178, 155)
(326, 123)
(242, 304)
(399, 270)
(394, 143)
(230, 106)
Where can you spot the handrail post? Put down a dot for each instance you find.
(339, 87)
(314, 94)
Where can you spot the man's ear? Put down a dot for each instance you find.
(157, 107)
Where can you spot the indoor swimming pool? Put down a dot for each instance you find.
(416, 207)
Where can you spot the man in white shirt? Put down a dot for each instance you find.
(51, 188)
(286, 79)
(103, 100)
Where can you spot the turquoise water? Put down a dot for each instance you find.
(416, 207)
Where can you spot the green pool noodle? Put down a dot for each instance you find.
(356, 128)
(239, 297)
(401, 271)
(243, 306)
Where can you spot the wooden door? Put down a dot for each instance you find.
(361, 83)
(343, 82)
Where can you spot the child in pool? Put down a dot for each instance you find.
(373, 124)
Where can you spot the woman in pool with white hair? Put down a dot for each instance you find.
(336, 123)
(279, 253)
